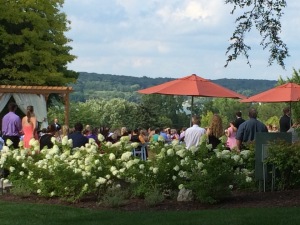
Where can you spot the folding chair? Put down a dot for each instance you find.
(140, 150)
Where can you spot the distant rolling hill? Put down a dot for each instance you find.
(93, 85)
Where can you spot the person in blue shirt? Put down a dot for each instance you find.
(247, 130)
(77, 137)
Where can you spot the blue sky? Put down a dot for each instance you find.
(170, 38)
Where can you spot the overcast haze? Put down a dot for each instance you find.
(170, 38)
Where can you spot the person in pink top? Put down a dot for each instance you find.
(231, 133)
(29, 124)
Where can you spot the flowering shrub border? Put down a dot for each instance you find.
(72, 174)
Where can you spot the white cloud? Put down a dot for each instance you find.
(169, 38)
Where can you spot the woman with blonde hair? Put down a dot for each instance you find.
(29, 125)
(215, 131)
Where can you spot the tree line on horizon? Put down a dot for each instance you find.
(108, 86)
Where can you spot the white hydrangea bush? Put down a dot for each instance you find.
(71, 174)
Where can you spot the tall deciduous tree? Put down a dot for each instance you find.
(33, 47)
(264, 15)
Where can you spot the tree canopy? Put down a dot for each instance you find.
(34, 49)
(265, 16)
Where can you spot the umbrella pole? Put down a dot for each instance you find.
(291, 115)
(192, 104)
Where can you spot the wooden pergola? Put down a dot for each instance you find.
(42, 90)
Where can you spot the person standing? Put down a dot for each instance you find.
(29, 124)
(77, 137)
(11, 125)
(248, 129)
(45, 139)
(194, 133)
(231, 134)
(285, 121)
(215, 131)
(56, 124)
(239, 120)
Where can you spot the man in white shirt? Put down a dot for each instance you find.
(194, 133)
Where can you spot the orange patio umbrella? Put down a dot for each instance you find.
(192, 85)
(289, 92)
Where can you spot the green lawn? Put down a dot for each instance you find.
(23, 214)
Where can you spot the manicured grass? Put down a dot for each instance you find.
(31, 214)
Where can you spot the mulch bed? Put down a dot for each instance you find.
(290, 198)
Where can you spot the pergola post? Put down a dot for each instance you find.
(67, 108)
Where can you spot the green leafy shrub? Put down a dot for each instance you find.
(114, 197)
(154, 197)
(286, 159)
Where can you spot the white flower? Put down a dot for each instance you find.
(38, 191)
(112, 156)
(53, 140)
(21, 144)
(230, 187)
(108, 144)
(115, 172)
(113, 168)
(126, 156)
(31, 142)
(161, 138)
(174, 177)
(245, 153)
(70, 142)
(155, 170)
(129, 164)
(9, 142)
(176, 168)
(21, 173)
(117, 144)
(209, 146)
(200, 165)
(6, 181)
(101, 180)
(180, 186)
(101, 138)
(92, 141)
(134, 144)
(136, 161)
(142, 166)
(125, 139)
(175, 142)
(107, 176)
(181, 153)
(236, 158)
(85, 187)
(64, 140)
(52, 193)
(170, 152)
(193, 149)
(225, 154)
(11, 169)
(5, 148)
(248, 179)
(40, 180)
